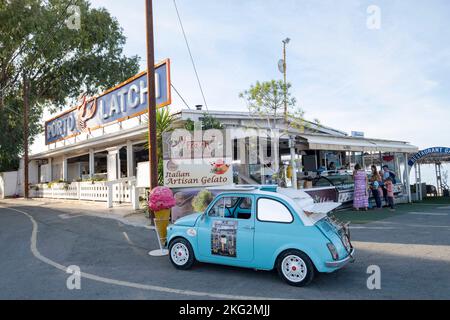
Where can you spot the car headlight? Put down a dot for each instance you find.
(333, 251)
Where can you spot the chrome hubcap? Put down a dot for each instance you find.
(294, 268)
(179, 254)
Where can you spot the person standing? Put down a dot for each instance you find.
(360, 195)
(385, 174)
(375, 186)
(390, 193)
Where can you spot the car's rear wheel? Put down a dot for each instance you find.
(295, 268)
(181, 254)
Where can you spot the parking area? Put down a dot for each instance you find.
(38, 242)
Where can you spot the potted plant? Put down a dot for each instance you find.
(202, 200)
(160, 201)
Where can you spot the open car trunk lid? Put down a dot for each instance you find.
(318, 211)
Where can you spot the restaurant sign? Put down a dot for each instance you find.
(428, 152)
(125, 101)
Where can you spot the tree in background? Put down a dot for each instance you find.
(164, 122)
(208, 122)
(267, 100)
(58, 59)
(11, 132)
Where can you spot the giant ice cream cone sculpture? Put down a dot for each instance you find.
(160, 201)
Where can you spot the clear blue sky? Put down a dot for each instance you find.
(391, 83)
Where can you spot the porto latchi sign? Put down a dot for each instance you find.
(125, 101)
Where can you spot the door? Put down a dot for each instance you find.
(226, 231)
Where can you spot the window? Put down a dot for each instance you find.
(273, 211)
(232, 207)
(246, 203)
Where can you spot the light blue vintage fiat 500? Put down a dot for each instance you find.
(263, 227)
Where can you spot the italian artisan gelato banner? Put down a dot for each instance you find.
(127, 100)
(182, 173)
(197, 159)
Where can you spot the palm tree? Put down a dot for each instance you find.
(164, 122)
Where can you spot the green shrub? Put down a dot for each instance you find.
(202, 200)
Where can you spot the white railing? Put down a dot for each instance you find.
(119, 191)
(122, 190)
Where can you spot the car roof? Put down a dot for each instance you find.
(288, 195)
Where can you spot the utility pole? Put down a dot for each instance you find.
(285, 42)
(153, 158)
(26, 96)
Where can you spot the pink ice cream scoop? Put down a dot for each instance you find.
(161, 198)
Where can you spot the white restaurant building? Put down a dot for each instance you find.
(94, 151)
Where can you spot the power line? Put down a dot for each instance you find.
(190, 54)
(179, 95)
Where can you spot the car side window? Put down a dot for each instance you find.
(231, 207)
(270, 210)
(246, 203)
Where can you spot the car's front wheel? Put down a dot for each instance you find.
(295, 268)
(181, 254)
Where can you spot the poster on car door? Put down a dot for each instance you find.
(223, 238)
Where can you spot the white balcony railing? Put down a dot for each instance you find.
(118, 191)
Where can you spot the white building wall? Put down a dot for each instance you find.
(33, 172)
(45, 173)
(8, 184)
(57, 168)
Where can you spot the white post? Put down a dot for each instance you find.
(91, 163)
(293, 163)
(109, 201)
(78, 184)
(130, 160)
(420, 184)
(64, 169)
(363, 163)
(112, 163)
(417, 182)
(408, 184)
(134, 197)
(50, 170)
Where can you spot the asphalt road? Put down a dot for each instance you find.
(412, 251)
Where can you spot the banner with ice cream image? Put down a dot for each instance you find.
(182, 173)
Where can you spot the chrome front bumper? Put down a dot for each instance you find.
(343, 262)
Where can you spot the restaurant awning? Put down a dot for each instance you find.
(334, 143)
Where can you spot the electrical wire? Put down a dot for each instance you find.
(190, 54)
(179, 95)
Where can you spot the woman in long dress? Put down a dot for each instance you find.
(360, 196)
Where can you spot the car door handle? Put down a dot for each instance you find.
(249, 228)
